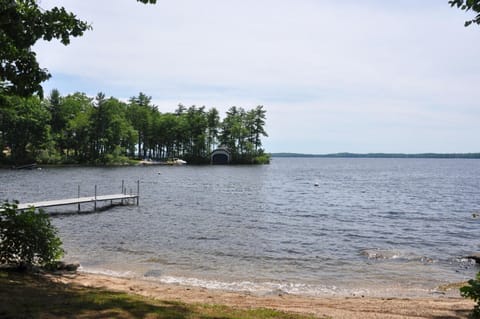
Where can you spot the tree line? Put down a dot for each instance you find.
(79, 129)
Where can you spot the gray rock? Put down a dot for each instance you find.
(61, 265)
(475, 257)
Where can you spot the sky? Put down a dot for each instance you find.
(334, 76)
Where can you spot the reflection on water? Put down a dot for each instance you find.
(311, 226)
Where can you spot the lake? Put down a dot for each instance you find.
(315, 226)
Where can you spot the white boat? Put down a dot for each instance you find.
(176, 161)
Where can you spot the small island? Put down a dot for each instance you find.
(78, 129)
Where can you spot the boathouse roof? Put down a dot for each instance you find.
(220, 155)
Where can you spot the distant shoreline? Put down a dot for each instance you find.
(380, 155)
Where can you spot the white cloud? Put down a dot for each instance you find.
(337, 75)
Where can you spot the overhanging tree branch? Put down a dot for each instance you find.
(22, 24)
(468, 5)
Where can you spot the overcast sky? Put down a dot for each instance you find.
(334, 76)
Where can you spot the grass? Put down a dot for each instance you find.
(25, 295)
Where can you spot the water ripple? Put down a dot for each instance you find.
(273, 223)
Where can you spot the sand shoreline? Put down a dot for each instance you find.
(331, 307)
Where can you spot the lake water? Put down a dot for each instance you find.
(395, 227)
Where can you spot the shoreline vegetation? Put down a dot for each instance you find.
(380, 155)
(74, 294)
(78, 129)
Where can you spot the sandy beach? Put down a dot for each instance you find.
(329, 307)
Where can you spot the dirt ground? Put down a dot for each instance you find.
(439, 307)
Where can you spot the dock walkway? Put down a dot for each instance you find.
(78, 200)
(122, 198)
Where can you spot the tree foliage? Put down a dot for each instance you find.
(79, 129)
(22, 24)
(241, 132)
(472, 291)
(27, 237)
(468, 5)
(24, 127)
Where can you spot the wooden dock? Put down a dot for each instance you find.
(122, 198)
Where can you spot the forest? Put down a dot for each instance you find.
(78, 129)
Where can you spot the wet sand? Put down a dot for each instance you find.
(330, 307)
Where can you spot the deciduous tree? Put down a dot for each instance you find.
(22, 24)
(25, 127)
(468, 5)
(27, 237)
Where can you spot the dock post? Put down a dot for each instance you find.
(138, 192)
(123, 187)
(78, 197)
(95, 201)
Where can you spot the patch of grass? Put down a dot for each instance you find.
(26, 295)
(218, 311)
